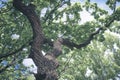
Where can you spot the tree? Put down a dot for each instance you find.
(83, 44)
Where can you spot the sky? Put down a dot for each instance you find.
(85, 16)
(1, 2)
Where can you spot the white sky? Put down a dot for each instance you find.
(85, 16)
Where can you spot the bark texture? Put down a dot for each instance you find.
(46, 64)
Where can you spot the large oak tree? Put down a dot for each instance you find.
(56, 37)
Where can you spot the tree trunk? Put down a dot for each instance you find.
(46, 64)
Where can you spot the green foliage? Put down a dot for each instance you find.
(111, 3)
(63, 18)
(117, 14)
(94, 9)
(95, 58)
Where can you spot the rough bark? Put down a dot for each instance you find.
(46, 66)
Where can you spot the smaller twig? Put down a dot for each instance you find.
(53, 10)
(15, 51)
(65, 65)
(114, 6)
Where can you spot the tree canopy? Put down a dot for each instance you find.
(62, 46)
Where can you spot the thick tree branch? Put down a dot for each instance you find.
(71, 44)
(32, 17)
(85, 43)
(46, 67)
(56, 49)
